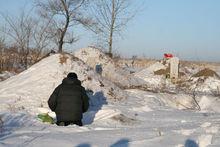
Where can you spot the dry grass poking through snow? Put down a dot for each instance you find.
(143, 63)
(206, 73)
(63, 58)
(162, 71)
(140, 63)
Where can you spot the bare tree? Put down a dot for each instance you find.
(20, 31)
(112, 16)
(27, 34)
(40, 39)
(64, 14)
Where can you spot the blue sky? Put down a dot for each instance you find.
(190, 29)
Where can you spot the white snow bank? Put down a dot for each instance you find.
(150, 70)
(152, 81)
(158, 101)
(31, 89)
(161, 101)
(148, 76)
(205, 140)
(155, 67)
(206, 85)
(208, 103)
(180, 101)
(13, 121)
(111, 71)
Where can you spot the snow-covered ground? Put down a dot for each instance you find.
(5, 75)
(116, 117)
(120, 76)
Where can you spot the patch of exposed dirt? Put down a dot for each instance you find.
(63, 58)
(181, 74)
(206, 73)
(162, 71)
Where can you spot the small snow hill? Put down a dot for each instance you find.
(30, 90)
(111, 70)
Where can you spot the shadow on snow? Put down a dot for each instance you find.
(97, 100)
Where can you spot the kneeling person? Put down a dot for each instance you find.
(69, 101)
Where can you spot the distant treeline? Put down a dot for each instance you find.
(14, 60)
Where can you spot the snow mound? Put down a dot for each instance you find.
(12, 121)
(113, 116)
(205, 140)
(120, 76)
(180, 101)
(207, 73)
(150, 70)
(205, 81)
(158, 101)
(152, 80)
(155, 67)
(31, 89)
(208, 85)
(122, 119)
(208, 104)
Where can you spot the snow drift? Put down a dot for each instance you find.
(111, 71)
(31, 89)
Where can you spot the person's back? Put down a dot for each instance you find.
(69, 101)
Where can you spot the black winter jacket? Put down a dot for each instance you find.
(69, 100)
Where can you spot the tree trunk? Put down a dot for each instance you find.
(63, 31)
(110, 44)
(112, 28)
(60, 46)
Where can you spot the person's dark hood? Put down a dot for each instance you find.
(71, 81)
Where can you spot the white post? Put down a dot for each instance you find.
(174, 68)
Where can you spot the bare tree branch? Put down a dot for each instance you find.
(112, 16)
(64, 14)
(27, 34)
